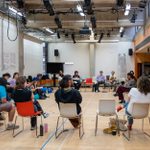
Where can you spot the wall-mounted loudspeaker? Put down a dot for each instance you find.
(130, 52)
(56, 52)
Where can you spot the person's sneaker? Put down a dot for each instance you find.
(115, 94)
(12, 126)
(2, 117)
(45, 115)
(33, 128)
(119, 108)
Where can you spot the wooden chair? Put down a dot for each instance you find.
(69, 111)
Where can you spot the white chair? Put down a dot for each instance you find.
(106, 107)
(139, 111)
(69, 111)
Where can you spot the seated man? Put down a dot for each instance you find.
(66, 94)
(125, 87)
(100, 79)
(5, 105)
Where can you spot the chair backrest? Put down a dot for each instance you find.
(107, 107)
(68, 110)
(140, 110)
(25, 109)
(88, 80)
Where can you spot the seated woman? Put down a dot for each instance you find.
(141, 94)
(6, 106)
(76, 80)
(125, 87)
(66, 94)
(23, 94)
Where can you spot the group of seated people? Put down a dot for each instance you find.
(19, 90)
(15, 90)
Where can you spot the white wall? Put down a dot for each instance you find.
(33, 58)
(8, 50)
(106, 56)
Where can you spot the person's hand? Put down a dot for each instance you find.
(4, 100)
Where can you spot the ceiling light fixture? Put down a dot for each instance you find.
(121, 29)
(15, 11)
(80, 10)
(100, 37)
(58, 22)
(49, 7)
(127, 9)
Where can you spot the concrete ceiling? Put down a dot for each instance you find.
(109, 17)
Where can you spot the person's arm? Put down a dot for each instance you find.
(3, 95)
(78, 97)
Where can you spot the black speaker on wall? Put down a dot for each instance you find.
(130, 52)
(56, 52)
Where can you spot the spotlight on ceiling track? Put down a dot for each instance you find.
(127, 9)
(121, 31)
(20, 3)
(49, 7)
(142, 4)
(73, 38)
(80, 10)
(58, 35)
(88, 6)
(119, 2)
(133, 18)
(58, 22)
(93, 22)
(100, 37)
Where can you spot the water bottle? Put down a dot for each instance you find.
(41, 130)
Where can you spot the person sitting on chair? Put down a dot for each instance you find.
(141, 94)
(125, 87)
(23, 94)
(66, 94)
(76, 80)
(100, 80)
(6, 106)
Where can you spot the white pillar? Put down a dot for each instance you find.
(92, 59)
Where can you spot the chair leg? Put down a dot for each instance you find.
(127, 136)
(63, 123)
(57, 127)
(14, 135)
(96, 123)
(142, 124)
(81, 128)
(117, 123)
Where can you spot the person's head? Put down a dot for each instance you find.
(21, 82)
(6, 76)
(132, 72)
(3, 82)
(76, 72)
(113, 72)
(101, 72)
(66, 82)
(30, 79)
(39, 76)
(15, 75)
(143, 85)
(130, 76)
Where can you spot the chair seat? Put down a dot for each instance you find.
(71, 117)
(105, 114)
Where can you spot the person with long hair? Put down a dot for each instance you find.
(24, 94)
(141, 94)
(66, 94)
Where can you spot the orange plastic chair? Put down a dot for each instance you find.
(88, 82)
(25, 109)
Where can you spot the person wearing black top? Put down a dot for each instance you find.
(66, 94)
(76, 80)
(23, 94)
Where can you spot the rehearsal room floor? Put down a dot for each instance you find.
(70, 140)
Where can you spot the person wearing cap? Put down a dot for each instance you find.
(5, 105)
(66, 94)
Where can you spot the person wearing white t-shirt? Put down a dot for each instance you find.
(141, 94)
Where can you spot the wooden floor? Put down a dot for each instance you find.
(70, 140)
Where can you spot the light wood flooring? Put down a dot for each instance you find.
(70, 140)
